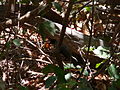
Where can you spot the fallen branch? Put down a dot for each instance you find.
(30, 15)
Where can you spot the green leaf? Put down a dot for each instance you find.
(97, 52)
(58, 71)
(47, 27)
(98, 64)
(57, 6)
(102, 48)
(102, 52)
(83, 84)
(24, 31)
(71, 83)
(8, 44)
(68, 76)
(88, 9)
(116, 83)
(112, 87)
(22, 88)
(50, 81)
(50, 68)
(91, 48)
(69, 66)
(2, 84)
(85, 72)
(113, 71)
(17, 42)
(50, 27)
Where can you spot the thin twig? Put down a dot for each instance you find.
(65, 22)
(90, 38)
(62, 34)
(37, 48)
(102, 69)
(38, 60)
(83, 7)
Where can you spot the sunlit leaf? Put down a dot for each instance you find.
(50, 81)
(97, 52)
(90, 49)
(88, 9)
(113, 71)
(85, 73)
(98, 64)
(17, 42)
(102, 48)
(68, 66)
(68, 76)
(57, 6)
(102, 52)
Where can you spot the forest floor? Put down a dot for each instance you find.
(21, 66)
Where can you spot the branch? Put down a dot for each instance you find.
(30, 15)
(25, 18)
(65, 23)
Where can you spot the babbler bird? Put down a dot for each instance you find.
(68, 54)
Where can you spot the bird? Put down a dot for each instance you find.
(76, 59)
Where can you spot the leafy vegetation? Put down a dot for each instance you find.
(59, 45)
